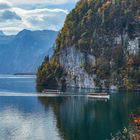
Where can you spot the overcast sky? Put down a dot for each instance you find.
(16, 15)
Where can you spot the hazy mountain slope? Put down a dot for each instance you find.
(99, 46)
(1, 33)
(24, 52)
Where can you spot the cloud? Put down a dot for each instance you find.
(4, 4)
(46, 18)
(14, 19)
(9, 15)
(16, 15)
(42, 1)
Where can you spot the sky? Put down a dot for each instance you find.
(16, 15)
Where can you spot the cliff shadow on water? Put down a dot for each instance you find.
(79, 118)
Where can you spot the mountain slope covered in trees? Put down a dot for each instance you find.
(99, 46)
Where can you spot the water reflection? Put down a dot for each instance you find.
(26, 121)
(79, 118)
(67, 118)
(24, 118)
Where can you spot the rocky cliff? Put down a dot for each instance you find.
(72, 60)
(99, 45)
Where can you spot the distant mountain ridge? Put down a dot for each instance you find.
(24, 52)
(1, 33)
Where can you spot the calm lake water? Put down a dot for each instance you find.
(65, 118)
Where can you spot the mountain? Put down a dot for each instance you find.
(24, 52)
(5, 39)
(1, 33)
(98, 47)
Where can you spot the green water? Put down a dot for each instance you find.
(64, 118)
(84, 119)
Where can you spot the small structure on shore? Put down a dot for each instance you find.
(99, 95)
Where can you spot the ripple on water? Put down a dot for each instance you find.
(15, 125)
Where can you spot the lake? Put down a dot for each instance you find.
(63, 118)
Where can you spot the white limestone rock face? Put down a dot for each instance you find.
(113, 88)
(72, 59)
(133, 46)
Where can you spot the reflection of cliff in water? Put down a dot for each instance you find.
(79, 118)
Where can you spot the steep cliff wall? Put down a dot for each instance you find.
(72, 61)
(99, 45)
